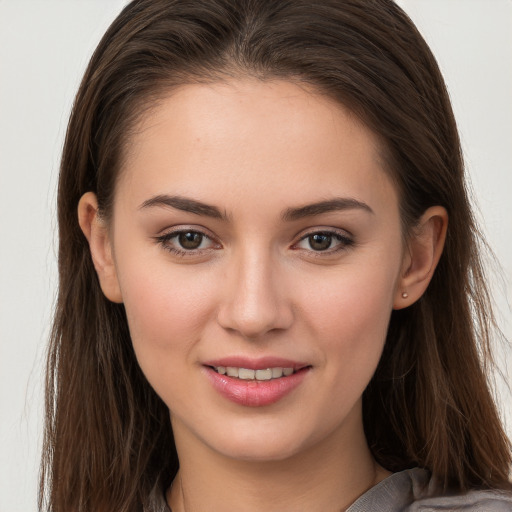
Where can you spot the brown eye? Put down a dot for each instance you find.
(187, 242)
(320, 241)
(190, 240)
(328, 242)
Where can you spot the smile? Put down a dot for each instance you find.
(248, 374)
(251, 387)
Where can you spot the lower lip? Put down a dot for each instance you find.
(255, 393)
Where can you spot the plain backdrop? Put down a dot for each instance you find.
(44, 48)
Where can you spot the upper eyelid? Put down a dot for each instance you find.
(176, 230)
(166, 235)
(326, 230)
(347, 240)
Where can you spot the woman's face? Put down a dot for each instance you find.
(254, 228)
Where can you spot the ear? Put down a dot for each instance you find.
(96, 232)
(422, 255)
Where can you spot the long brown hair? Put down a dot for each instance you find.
(108, 439)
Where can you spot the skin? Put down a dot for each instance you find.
(256, 286)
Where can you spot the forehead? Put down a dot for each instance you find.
(252, 136)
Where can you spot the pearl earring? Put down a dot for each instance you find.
(405, 295)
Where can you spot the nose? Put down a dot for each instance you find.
(254, 297)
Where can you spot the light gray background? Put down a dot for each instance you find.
(44, 48)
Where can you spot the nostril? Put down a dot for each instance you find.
(252, 323)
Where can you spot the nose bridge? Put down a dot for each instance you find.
(254, 302)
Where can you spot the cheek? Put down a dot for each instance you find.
(354, 298)
(166, 312)
(350, 315)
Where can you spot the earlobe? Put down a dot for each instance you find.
(97, 234)
(424, 250)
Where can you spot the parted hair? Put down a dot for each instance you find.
(108, 439)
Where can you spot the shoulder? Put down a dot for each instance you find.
(414, 490)
(472, 501)
(429, 498)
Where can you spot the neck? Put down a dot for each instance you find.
(327, 477)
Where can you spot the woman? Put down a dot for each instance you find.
(274, 249)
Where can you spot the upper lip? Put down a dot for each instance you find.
(260, 363)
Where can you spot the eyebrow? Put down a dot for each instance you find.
(290, 214)
(331, 205)
(184, 204)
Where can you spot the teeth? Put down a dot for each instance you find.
(248, 374)
(277, 372)
(232, 372)
(263, 374)
(245, 374)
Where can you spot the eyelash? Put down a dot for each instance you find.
(165, 239)
(344, 242)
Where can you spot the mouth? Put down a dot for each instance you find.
(257, 375)
(255, 383)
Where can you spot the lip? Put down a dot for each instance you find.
(252, 393)
(260, 363)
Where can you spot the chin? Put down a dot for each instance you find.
(268, 444)
(259, 451)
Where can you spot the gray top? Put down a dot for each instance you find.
(412, 490)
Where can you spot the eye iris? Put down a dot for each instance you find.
(190, 240)
(320, 241)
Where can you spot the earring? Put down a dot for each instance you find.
(405, 295)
